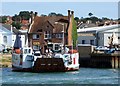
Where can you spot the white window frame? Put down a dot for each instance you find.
(47, 35)
(92, 42)
(37, 47)
(5, 39)
(84, 41)
(34, 36)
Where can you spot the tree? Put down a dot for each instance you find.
(16, 17)
(84, 20)
(118, 18)
(76, 19)
(74, 33)
(94, 19)
(59, 14)
(105, 18)
(17, 25)
(24, 15)
(52, 14)
(90, 14)
(43, 15)
(55, 14)
(3, 19)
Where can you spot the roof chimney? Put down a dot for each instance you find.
(68, 14)
(32, 16)
(36, 13)
(72, 13)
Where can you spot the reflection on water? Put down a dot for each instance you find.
(83, 76)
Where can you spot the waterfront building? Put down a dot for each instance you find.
(99, 36)
(8, 36)
(50, 29)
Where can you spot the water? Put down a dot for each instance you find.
(83, 76)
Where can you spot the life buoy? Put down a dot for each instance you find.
(72, 51)
(17, 51)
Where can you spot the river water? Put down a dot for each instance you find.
(83, 76)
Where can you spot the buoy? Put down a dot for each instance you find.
(72, 51)
(17, 51)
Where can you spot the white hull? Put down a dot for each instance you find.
(66, 62)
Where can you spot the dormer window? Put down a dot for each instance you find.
(36, 36)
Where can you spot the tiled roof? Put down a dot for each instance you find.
(97, 29)
(39, 22)
(8, 28)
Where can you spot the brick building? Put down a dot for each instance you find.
(50, 29)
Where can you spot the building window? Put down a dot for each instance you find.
(83, 41)
(108, 37)
(40, 30)
(92, 42)
(118, 37)
(59, 35)
(36, 47)
(5, 39)
(47, 35)
(57, 47)
(36, 36)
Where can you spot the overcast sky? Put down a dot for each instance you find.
(81, 9)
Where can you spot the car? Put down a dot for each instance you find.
(6, 50)
(102, 48)
(37, 53)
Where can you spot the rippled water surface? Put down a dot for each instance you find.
(83, 76)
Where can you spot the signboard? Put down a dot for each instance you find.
(86, 34)
(36, 43)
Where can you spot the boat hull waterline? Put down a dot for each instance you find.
(30, 64)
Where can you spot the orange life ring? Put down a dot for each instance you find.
(18, 51)
(72, 51)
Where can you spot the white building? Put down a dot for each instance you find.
(98, 36)
(8, 36)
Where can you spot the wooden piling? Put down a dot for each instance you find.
(116, 62)
(105, 60)
(113, 62)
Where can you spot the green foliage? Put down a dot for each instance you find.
(74, 32)
(3, 19)
(90, 14)
(84, 20)
(93, 19)
(118, 18)
(59, 14)
(24, 15)
(17, 25)
(43, 15)
(104, 18)
(76, 19)
(16, 17)
(54, 14)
